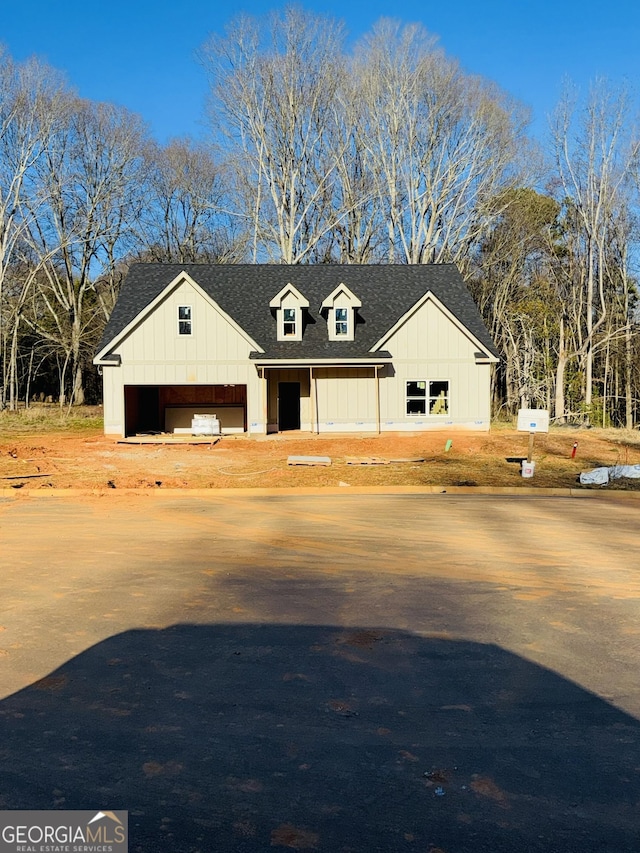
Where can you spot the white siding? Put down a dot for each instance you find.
(346, 399)
(155, 342)
(429, 346)
(113, 400)
(153, 353)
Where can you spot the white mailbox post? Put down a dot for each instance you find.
(532, 421)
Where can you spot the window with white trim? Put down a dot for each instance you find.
(289, 322)
(184, 320)
(340, 309)
(427, 397)
(288, 306)
(342, 322)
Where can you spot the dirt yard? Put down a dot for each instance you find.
(45, 452)
(328, 673)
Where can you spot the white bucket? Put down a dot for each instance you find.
(528, 468)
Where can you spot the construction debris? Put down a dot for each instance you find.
(309, 460)
(170, 438)
(25, 476)
(379, 460)
(602, 476)
(365, 460)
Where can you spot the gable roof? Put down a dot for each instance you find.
(181, 278)
(245, 291)
(289, 290)
(341, 291)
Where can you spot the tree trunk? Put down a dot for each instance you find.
(28, 386)
(77, 396)
(628, 388)
(605, 386)
(13, 368)
(561, 366)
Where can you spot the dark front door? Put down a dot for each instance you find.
(288, 405)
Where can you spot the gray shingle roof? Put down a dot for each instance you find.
(244, 291)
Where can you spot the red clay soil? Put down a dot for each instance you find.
(86, 459)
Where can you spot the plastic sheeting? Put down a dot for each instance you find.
(602, 476)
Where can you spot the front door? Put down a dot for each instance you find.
(288, 405)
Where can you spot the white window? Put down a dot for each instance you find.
(289, 322)
(340, 306)
(416, 398)
(184, 320)
(288, 306)
(427, 397)
(342, 322)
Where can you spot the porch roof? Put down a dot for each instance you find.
(371, 360)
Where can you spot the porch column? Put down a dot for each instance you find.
(377, 400)
(265, 399)
(312, 413)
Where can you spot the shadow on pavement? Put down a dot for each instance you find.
(257, 737)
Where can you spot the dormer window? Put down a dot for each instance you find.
(340, 308)
(289, 322)
(288, 306)
(342, 322)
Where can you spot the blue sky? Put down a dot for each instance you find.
(140, 53)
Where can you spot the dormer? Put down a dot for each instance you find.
(289, 305)
(340, 307)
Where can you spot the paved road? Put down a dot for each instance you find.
(341, 674)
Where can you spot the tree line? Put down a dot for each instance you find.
(318, 151)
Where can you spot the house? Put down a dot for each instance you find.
(267, 348)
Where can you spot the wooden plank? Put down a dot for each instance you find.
(25, 476)
(309, 460)
(365, 460)
(169, 438)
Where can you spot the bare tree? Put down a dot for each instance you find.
(30, 98)
(515, 288)
(358, 233)
(91, 176)
(185, 216)
(594, 155)
(440, 143)
(273, 88)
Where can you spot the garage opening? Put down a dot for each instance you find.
(170, 408)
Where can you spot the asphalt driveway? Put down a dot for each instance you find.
(335, 673)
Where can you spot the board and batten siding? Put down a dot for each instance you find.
(346, 399)
(153, 353)
(430, 346)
